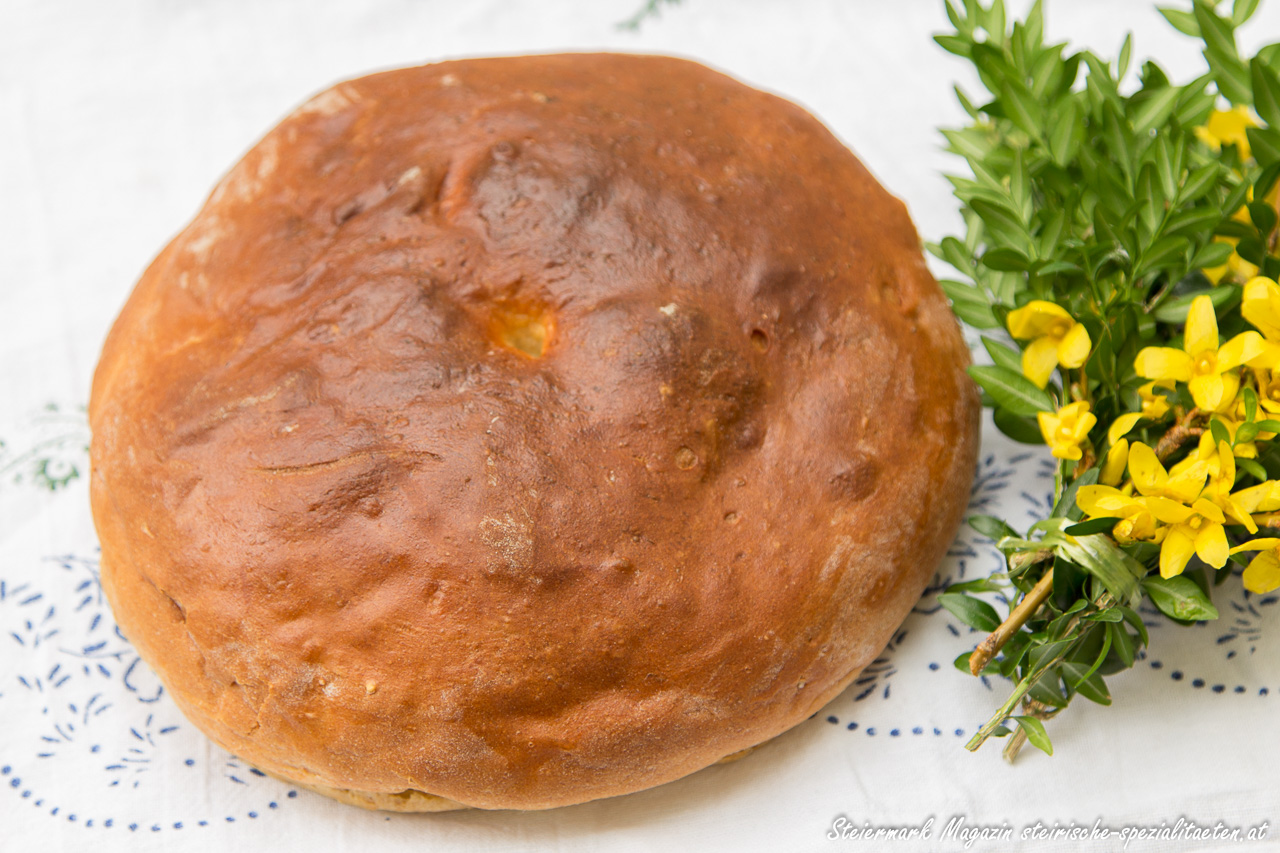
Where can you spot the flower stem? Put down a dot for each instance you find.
(1018, 617)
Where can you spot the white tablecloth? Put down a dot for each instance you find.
(115, 121)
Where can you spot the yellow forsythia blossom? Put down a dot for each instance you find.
(1228, 127)
(1113, 466)
(1201, 363)
(1065, 429)
(1261, 307)
(1136, 524)
(1263, 572)
(1056, 338)
(1154, 406)
(1195, 524)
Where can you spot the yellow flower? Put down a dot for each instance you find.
(1264, 497)
(1261, 307)
(1121, 426)
(1065, 429)
(1118, 454)
(1154, 406)
(1194, 524)
(1113, 467)
(1268, 391)
(1136, 523)
(1150, 478)
(1263, 572)
(1196, 529)
(1201, 363)
(1235, 267)
(1228, 127)
(1222, 478)
(1055, 337)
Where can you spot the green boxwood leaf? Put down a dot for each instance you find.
(1265, 143)
(1183, 22)
(1011, 390)
(1263, 216)
(1253, 469)
(1121, 641)
(1002, 355)
(969, 304)
(1036, 735)
(1266, 91)
(1093, 525)
(1155, 108)
(1219, 432)
(1092, 688)
(1213, 254)
(1179, 597)
(971, 611)
(1020, 429)
(1242, 11)
(1046, 690)
(991, 527)
(1174, 311)
(1006, 260)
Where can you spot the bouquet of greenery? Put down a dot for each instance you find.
(1126, 241)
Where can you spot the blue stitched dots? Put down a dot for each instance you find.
(178, 825)
(937, 731)
(230, 819)
(15, 782)
(133, 827)
(851, 726)
(959, 732)
(1197, 682)
(272, 805)
(253, 814)
(108, 823)
(190, 762)
(1262, 691)
(917, 731)
(293, 794)
(155, 827)
(1239, 688)
(933, 666)
(1155, 664)
(871, 731)
(1176, 675)
(833, 719)
(204, 823)
(4, 771)
(71, 817)
(894, 733)
(1218, 688)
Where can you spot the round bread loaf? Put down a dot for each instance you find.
(515, 432)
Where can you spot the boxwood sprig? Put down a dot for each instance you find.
(1114, 230)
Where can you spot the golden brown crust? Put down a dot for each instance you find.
(526, 431)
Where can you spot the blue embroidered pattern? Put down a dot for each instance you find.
(98, 698)
(74, 681)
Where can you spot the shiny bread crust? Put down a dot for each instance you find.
(525, 431)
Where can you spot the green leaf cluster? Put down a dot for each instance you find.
(1082, 193)
(1110, 199)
